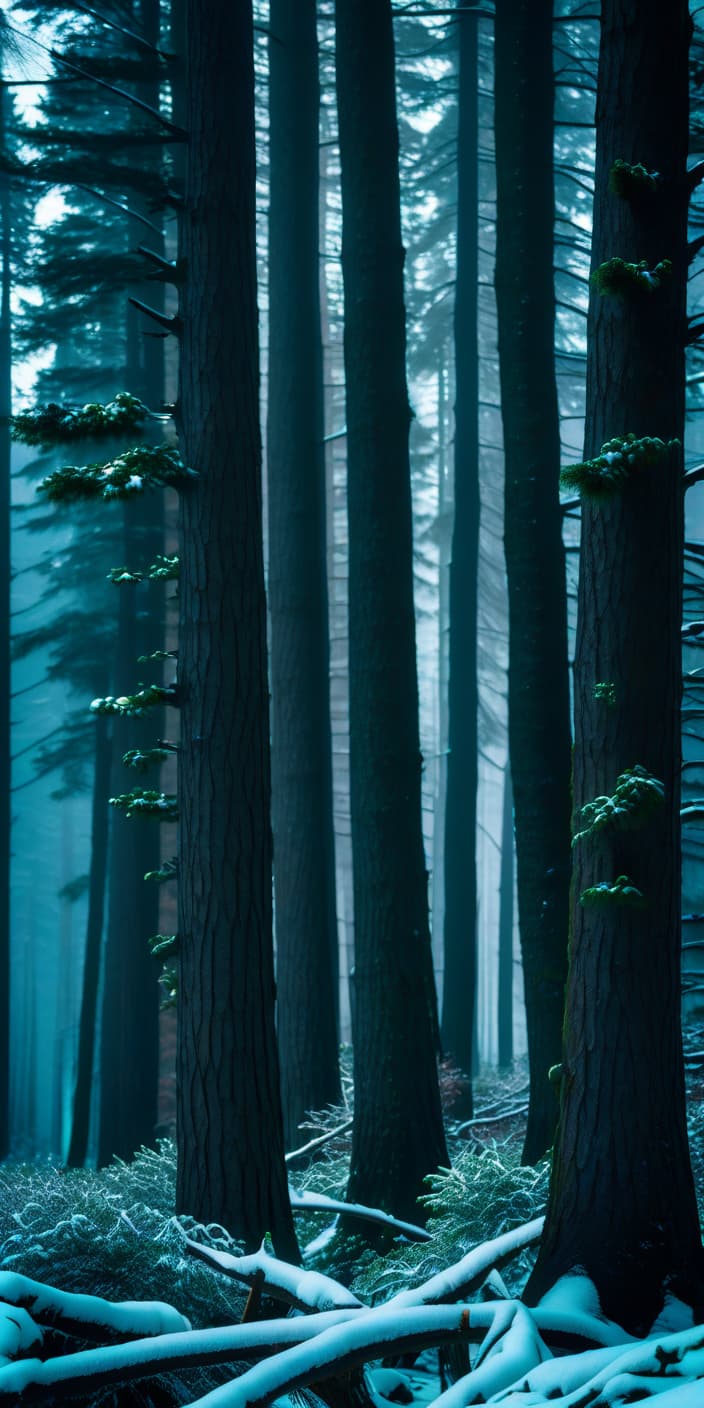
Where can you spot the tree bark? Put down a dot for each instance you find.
(538, 687)
(622, 1204)
(460, 929)
(80, 1124)
(302, 812)
(229, 1124)
(397, 1134)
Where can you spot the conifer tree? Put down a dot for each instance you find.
(398, 1134)
(230, 1130)
(538, 687)
(622, 1205)
(304, 856)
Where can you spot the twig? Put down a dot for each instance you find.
(317, 1143)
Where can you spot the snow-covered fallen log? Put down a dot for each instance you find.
(91, 1317)
(85, 1372)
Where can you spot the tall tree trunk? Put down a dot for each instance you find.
(302, 814)
(538, 686)
(5, 570)
(460, 931)
(622, 1204)
(230, 1130)
(78, 1145)
(129, 1067)
(397, 1134)
(506, 879)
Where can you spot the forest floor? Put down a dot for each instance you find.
(113, 1233)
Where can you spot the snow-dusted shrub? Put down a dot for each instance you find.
(483, 1195)
(112, 1233)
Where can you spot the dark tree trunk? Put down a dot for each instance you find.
(460, 929)
(505, 1004)
(80, 1125)
(129, 1067)
(5, 570)
(538, 687)
(230, 1131)
(397, 1135)
(622, 1204)
(304, 851)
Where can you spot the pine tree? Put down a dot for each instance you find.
(304, 855)
(622, 1206)
(230, 1130)
(398, 1135)
(538, 687)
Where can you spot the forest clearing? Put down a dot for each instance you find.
(351, 736)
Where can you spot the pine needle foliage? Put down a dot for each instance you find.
(617, 461)
(56, 425)
(143, 467)
(483, 1195)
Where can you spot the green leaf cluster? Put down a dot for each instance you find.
(142, 761)
(632, 182)
(623, 278)
(636, 796)
(163, 945)
(57, 425)
(616, 462)
(132, 472)
(151, 696)
(163, 569)
(620, 891)
(147, 802)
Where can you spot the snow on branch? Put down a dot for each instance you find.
(93, 1369)
(91, 1317)
(305, 1290)
(467, 1275)
(320, 1202)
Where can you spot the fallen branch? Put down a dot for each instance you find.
(30, 1380)
(467, 1275)
(304, 1290)
(320, 1202)
(91, 1317)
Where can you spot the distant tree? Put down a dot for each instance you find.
(538, 687)
(129, 1065)
(460, 931)
(506, 885)
(304, 853)
(622, 1205)
(229, 1128)
(97, 877)
(397, 1134)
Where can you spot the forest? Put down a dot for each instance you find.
(351, 734)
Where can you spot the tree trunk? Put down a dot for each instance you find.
(622, 1203)
(505, 1005)
(302, 813)
(5, 570)
(230, 1131)
(130, 1020)
(397, 1134)
(538, 687)
(460, 930)
(80, 1125)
